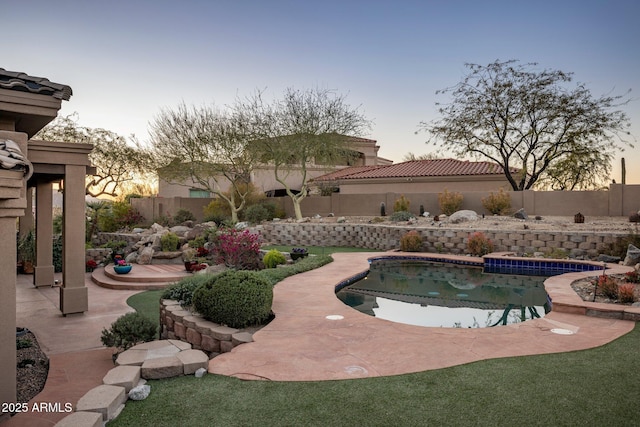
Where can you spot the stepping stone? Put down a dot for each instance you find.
(241, 338)
(81, 419)
(131, 357)
(104, 399)
(193, 360)
(123, 376)
(162, 367)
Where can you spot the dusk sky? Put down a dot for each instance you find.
(125, 60)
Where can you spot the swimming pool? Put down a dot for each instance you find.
(425, 293)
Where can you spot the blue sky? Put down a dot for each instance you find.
(127, 59)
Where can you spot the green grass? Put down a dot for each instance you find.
(147, 303)
(585, 388)
(320, 250)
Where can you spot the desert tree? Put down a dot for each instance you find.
(534, 121)
(117, 162)
(410, 156)
(303, 128)
(206, 148)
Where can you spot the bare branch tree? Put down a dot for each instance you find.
(531, 121)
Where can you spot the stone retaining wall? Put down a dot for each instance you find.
(387, 237)
(212, 338)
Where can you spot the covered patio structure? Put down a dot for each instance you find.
(27, 104)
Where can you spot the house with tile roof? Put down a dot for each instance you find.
(263, 178)
(417, 176)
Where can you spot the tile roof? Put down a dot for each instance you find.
(14, 80)
(416, 168)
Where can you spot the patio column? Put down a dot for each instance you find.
(73, 294)
(12, 206)
(43, 274)
(25, 223)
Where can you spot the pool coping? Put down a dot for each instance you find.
(314, 336)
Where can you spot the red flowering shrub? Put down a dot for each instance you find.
(626, 293)
(478, 244)
(607, 286)
(238, 249)
(632, 277)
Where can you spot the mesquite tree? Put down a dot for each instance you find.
(532, 121)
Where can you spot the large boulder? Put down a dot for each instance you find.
(146, 255)
(633, 256)
(521, 214)
(463, 216)
(180, 230)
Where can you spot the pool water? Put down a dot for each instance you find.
(424, 293)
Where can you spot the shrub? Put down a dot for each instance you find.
(607, 286)
(626, 293)
(449, 202)
(125, 215)
(237, 249)
(129, 330)
(401, 204)
(621, 244)
(274, 258)
(497, 203)
(169, 242)
(478, 244)
(634, 217)
(23, 343)
(198, 242)
(632, 276)
(183, 215)
(57, 253)
(411, 242)
(274, 275)
(257, 213)
(401, 216)
(165, 220)
(235, 298)
(183, 290)
(556, 253)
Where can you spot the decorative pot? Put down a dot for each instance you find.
(295, 256)
(122, 269)
(188, 265)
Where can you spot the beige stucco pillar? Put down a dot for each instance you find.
(73, 294)
(43, 274)
(12, 205)
(26, 222)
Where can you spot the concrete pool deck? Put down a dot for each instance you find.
(303, 343)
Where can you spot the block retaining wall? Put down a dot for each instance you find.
(387, 237)
(212, 338)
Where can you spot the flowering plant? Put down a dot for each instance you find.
(238, 249)
(91, 265)
(118, 260)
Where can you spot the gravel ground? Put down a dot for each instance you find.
(32, 369)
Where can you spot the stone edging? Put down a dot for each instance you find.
(202, 334)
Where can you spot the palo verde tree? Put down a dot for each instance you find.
(531, 121)
(302, 129)
(207, 148)
(116, 161)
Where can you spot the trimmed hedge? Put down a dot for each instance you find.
(235, 298)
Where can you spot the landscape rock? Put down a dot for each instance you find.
(140, 392)
(131, 258)
(180, 230)
(157, 228)
(242, 225)
(633, 256)
(341, 219)
(138, 230)
(463, 216)
(608, 258)
(146, 255)
(521, 214)
(200, 373)
(199, 230)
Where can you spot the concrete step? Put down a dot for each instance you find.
(123, 376)
(107, 400)
(81, 419)
(141, 277)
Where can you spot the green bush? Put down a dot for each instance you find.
(497, 203)
(183, 215)
(182, 291)
(235, 298)
(274, 258)
(57, 253)
(401, 204)
(198, 242)
(274, 275)
(479, 245)
(411, 242)
(257, 213)
(169, 242)
(23, 343)
(129, 330)
(449, 202)
(401, 216)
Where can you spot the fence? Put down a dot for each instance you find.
(619, 200)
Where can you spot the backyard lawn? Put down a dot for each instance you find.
(587, 388)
